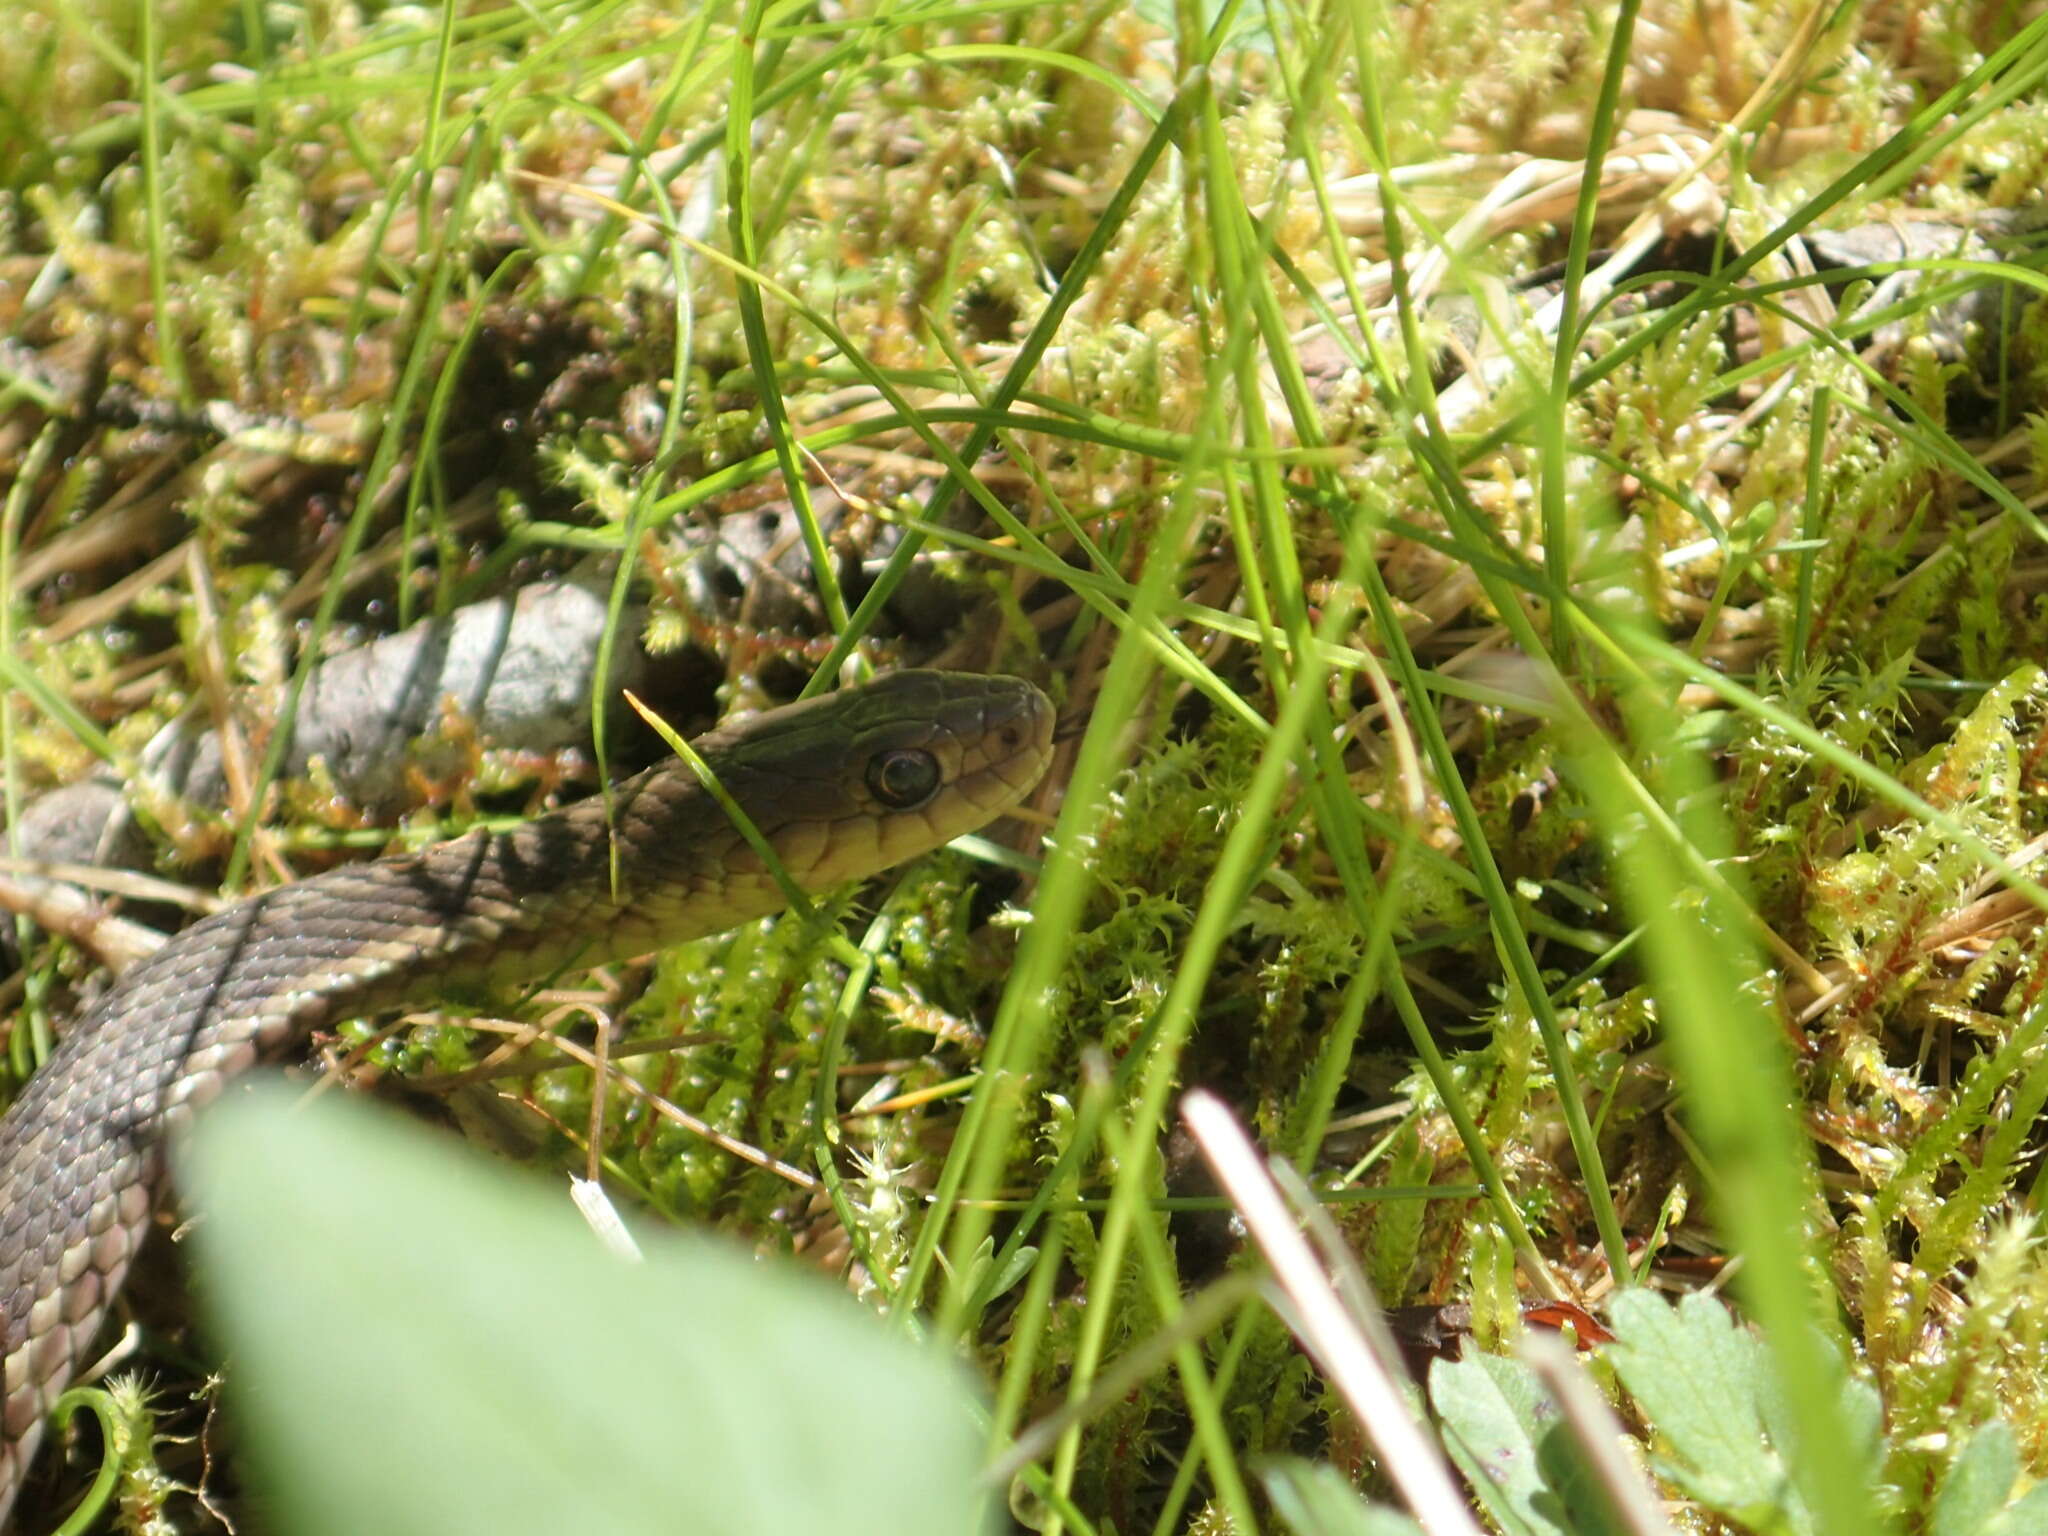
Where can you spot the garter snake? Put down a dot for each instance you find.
(841, 786)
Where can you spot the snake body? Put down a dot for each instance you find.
(841, 786)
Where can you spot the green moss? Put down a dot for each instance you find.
(925, 185)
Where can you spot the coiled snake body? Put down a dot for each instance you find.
(841, 786)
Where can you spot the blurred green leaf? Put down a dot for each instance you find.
(2026, 1516)
(1706, 1386)
(1507, 1437)
(1317, 1500)
(1251, 28)
(1696, 1377)
(1492, 1413)
(1973, 1496)
(423, 1343)
(1977, 1483)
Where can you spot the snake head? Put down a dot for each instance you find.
(848, 784)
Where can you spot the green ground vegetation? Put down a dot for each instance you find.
(1529, 513)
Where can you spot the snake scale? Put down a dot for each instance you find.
(842, 786)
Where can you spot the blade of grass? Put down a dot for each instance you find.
(1740, 1094)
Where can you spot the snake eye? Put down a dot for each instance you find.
(903, 778)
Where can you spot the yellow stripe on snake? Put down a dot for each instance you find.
(842, 787)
